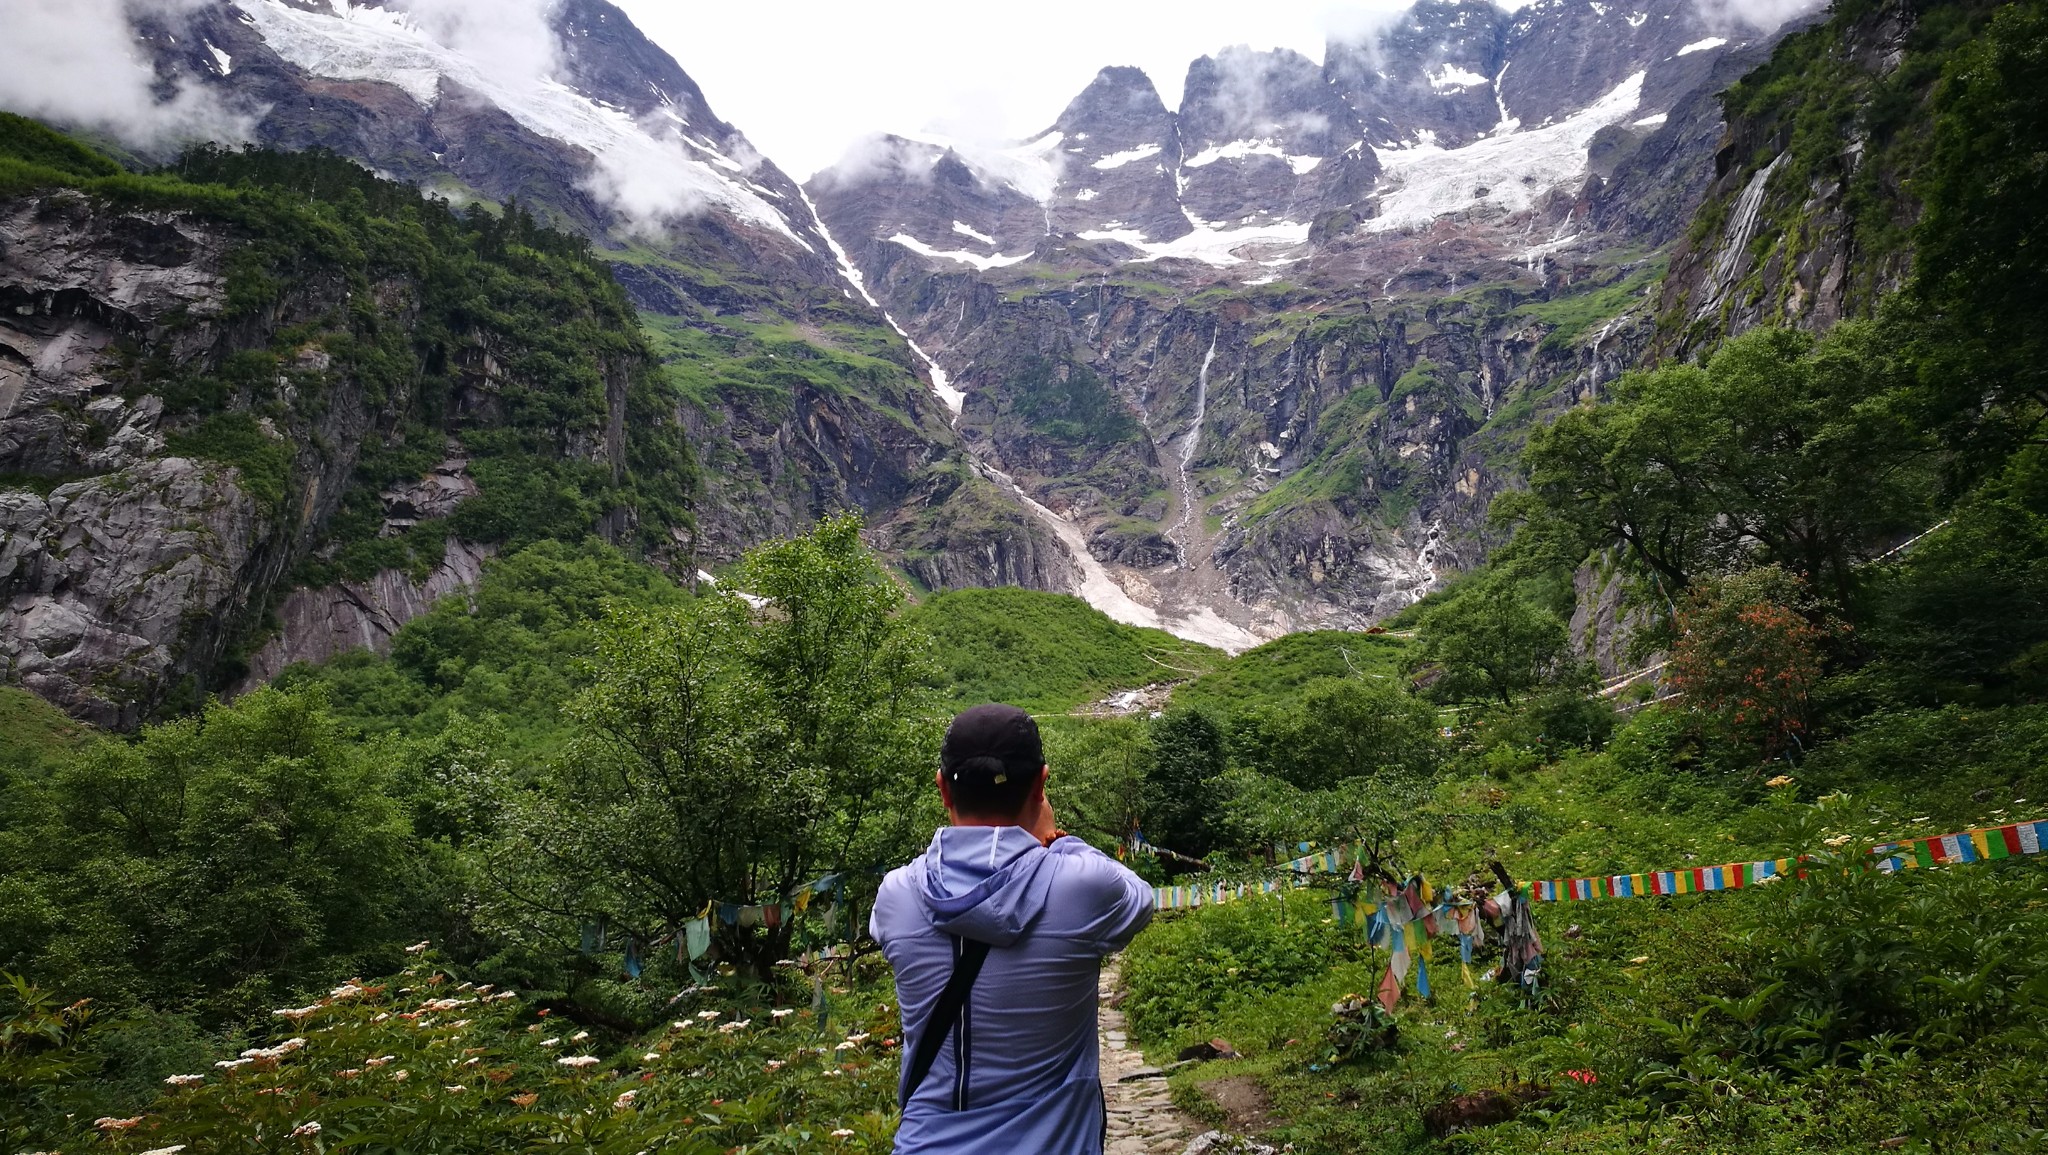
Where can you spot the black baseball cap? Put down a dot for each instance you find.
(991, 745)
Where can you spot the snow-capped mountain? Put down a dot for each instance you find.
(1247, 363)
(612, 130)
(1458, 109)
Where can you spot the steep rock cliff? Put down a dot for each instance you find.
(209, 394)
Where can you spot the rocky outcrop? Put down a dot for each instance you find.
(315, 625)
(117, 565)
(1807, 219)
(115, 584)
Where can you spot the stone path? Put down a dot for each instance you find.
(1142, 1117)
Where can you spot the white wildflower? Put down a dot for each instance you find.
(578, 1060)
(305, 1130)
(184, 1080)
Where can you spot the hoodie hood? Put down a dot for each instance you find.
(986, 883)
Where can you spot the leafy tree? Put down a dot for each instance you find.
(730, 751)
(515, 651)
(1098, 784)
(1350, 728)
(1486, 643)
(1188, 756)
(221, 860)
(1968, 607)
(1747, 658)
(1780, 450)
(1981, 258)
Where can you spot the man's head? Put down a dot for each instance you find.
(992, 764)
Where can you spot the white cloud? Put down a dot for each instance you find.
(832, 74)
(75, 62)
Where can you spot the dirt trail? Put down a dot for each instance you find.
(1142, 1117)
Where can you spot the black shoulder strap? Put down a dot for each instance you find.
(966, 967)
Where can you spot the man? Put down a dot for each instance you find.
(1015, 1068)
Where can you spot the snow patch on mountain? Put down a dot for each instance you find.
(1235, 150)
(975, 259)
(1507, 172)
(1120, 159)
(967, 230)
(1451, 77)
(1031, 168)
(640, 166)
(1207, 243)
(1710, 43)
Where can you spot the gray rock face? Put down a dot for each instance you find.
(109, 584)
(1264, 138)
(1794, 246)
(318, 624)
(1431, 73)
(115, 562)
(1120, 148)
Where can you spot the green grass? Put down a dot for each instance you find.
(1046, 652)
(1573, 316)
(1264, 973)
(769, 361)
(1276, 672)
(33, 732)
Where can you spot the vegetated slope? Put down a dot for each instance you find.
(1275, 674)
(1825, 694)
(1810, 215)
(1834, 1011)
(32, 731)
(1045, 652)
(258, 370)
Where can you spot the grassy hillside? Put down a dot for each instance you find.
(33, 732)
(1277, 672)
(1046, 652)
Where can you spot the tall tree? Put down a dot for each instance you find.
(1485, 642)
(734, 748)
(1780, 450)
(1981, 260)
(1188, 755)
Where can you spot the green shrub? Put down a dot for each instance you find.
(1189, 967)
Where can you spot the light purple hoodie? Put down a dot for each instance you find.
(1031, 1082)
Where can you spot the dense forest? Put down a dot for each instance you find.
(443, 899)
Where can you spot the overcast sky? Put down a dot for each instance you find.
(805, 79)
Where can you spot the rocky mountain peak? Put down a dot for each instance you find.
(1119, 149)
(1258, 129)
(1429, 77)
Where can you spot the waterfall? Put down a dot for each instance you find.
(1730, 263)
(1190, 445)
